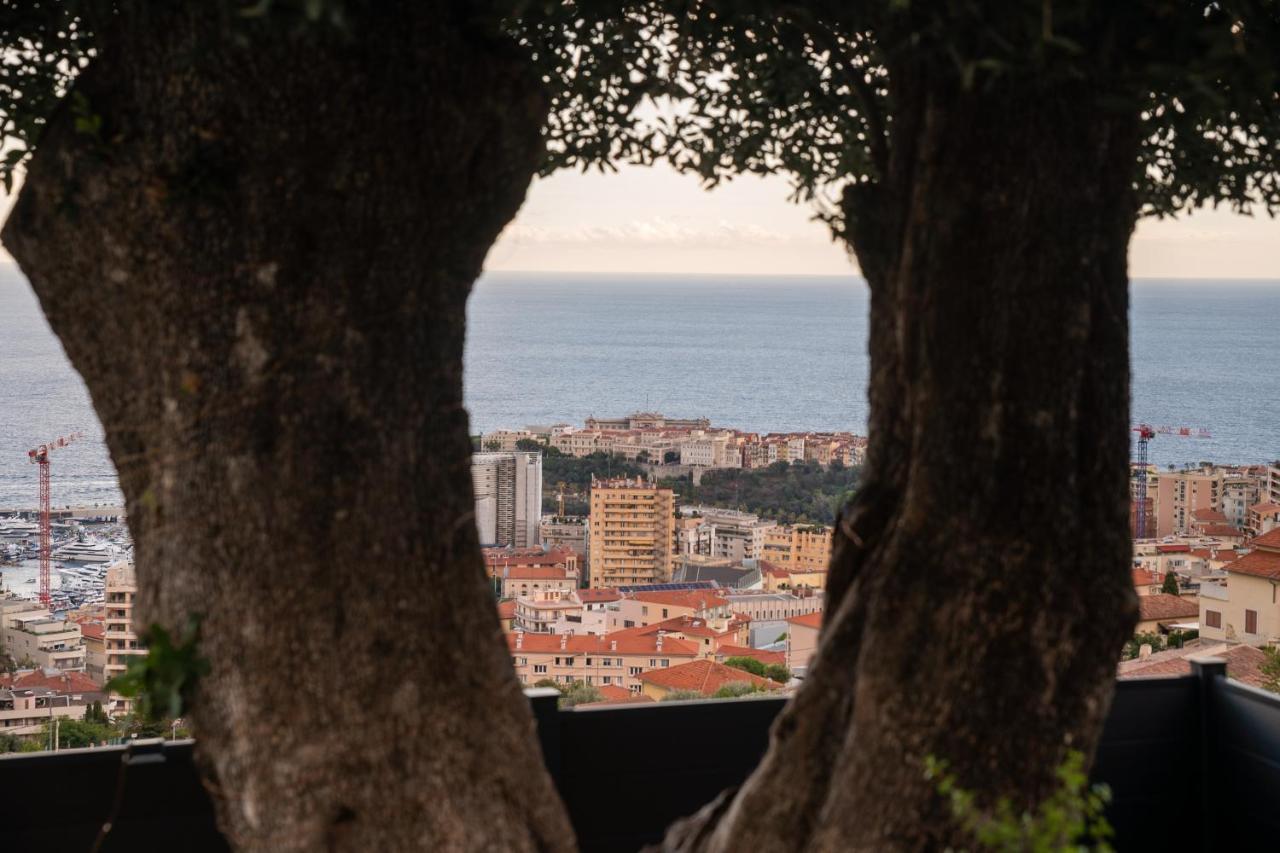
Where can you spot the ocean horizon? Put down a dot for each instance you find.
(760, 353)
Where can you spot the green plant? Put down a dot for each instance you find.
(1070, 819)
(1133, 648)
(164, 682)
(1270, 669)
(747, 664)
(777, 672)
(682, 696)
(579, 693)
(737, 689)
(1170, 585)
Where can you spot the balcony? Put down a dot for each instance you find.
(1193, 764)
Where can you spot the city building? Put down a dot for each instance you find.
(646, 607)
(30, 699)
(95, 650)
(504, 440)
(723, 533)
(632, 536)
(32, 636)
(121, 639)
(802, 641)
(646, 421)
(1263, 518)
(1177, 494)
(524, 571)
(1161, 613)
(703, 676)
(798, 547)
(566, 531)
(508, 491)
(1246, 609)
(768, 612)
(580, 611)
(598, 660)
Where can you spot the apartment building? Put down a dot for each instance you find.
(566, 531)
(1241, 490)
(599, 660)
(505, 440)
(1263, 518)
(508, 492)
(632, 533)
(1177, 494)
(798, 547)
(525, 571)
(802, 641)
(647, 421)
(1247, 608)
(646, 607)
(121, 639)
(33, 636)
(722, 533)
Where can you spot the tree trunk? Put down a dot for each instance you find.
(260, 266)
(980, 591)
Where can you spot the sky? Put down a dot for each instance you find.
(653, 220)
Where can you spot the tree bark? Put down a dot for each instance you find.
(979, 592)
(260, 266)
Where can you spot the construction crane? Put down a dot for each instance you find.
(40, 456)
(1146, 432)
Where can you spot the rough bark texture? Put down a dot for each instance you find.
(979, 590)
(260, 267)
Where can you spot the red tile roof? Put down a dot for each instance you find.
(618, 642)
(1244, 663)
(1225, 531)
(59, 682)
(507, 609)
(1265, 508)
(499, 558)
(1266, 540)
(704, 676)
(765, 657)
(808, 620)
(92, 630)
(1208, 515)
(1216, 554)
(1262, 563)
(1173, 549)
(1161, 607)
(690, 625)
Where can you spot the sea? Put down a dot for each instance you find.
(760, 353)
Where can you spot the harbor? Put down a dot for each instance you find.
(83, 546)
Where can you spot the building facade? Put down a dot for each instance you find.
(32, 636)
(119, 634)
(508, 490)
(632, 533)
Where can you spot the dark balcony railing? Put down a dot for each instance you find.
(1193, 764)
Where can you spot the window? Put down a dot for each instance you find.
(1251, 621)
(588, 661)
(539, 667)
(666, 662)
(1213, 619)
(664, 613)
(635, 670)
(606, 679)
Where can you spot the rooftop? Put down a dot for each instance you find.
(618, 642)
(704, 676)
(1161, 606)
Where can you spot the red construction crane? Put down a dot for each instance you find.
(40, 456)
(1140, 511)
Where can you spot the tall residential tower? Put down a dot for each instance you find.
(508, 489)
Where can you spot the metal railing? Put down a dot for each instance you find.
(1193, 764)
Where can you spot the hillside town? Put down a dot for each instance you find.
(645, 582)
(648, 597)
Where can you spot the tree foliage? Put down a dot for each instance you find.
(1072, 818)
(1170, 585)
(803, 492)
(719, 88)
(746, 664)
